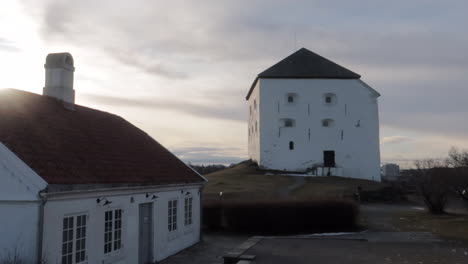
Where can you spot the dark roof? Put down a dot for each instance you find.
(304, 64)
(84, 145)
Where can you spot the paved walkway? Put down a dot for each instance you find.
(210, 251)
(381, 243)
(326, 251)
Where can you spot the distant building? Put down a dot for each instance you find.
(390, 172)
(78, 185)
(308, 113)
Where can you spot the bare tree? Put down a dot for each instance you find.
(458, 161)
(432, 181)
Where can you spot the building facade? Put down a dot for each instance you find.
(78, 185)
(307, 113)
(390, 172)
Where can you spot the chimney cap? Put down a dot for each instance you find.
(60, 60)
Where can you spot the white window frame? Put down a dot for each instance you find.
(113, 230)
(74, 236)
(188, 210)
(172, 215)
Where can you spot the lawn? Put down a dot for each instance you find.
(448, 226)
(246, 181)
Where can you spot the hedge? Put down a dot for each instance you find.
(280, 217)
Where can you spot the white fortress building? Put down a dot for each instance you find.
(307, 113)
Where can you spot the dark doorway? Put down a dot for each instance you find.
(329, 158)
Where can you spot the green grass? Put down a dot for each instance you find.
(246, 181)
(449, 226)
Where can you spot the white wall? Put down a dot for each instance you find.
(165, 243)
(357, 153)
(254, 118)
(19, 207)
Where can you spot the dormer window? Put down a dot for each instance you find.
(288, 123)
(328, 99)
(327, 122)
(290, 99)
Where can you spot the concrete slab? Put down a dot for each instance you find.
(318, 251)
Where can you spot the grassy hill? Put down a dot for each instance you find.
(245, 181)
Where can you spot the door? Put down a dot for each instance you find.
(146, 233)
(329, 158)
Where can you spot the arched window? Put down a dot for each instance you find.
(291, 145)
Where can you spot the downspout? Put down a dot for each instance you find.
(201, 214)
(43, 200)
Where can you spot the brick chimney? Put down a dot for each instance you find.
(59, 77)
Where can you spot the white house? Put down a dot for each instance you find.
(78, 185)
(307, 113)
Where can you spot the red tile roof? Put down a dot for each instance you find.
(84, 145)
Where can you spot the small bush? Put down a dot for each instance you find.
(281, 217)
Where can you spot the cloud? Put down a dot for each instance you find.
(209, 155)
(200, 109)
(395, 139)
(7, 45)
(413, 53)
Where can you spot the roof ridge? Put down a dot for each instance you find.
(305, 64)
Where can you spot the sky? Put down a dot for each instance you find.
(180, 70)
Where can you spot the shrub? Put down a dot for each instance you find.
(433, 183)
(281, 217)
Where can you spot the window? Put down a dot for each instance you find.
(291, 98)
(255, 104)
(286, 122)
(329, 98)
(291, 145)
(327, 122)
(112, 230)
(172, 215)
(74, 239)
(188, 210)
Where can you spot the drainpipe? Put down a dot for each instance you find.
(42, 202)
(201, 213)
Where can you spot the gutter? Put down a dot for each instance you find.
(40, 233)
(116, 189)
